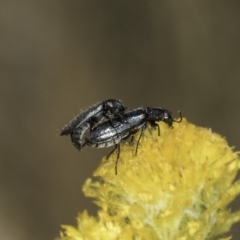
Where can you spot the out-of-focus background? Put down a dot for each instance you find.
(58, 57)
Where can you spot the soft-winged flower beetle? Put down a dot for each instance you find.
(91, 117)
(116, 130)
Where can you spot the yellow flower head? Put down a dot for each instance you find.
(178, 187)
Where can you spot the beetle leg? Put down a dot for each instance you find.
(118, 153)
(143, 127)
(131, 140)
(154, 124)
(112, 151)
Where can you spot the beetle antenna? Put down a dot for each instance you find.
(180, 114)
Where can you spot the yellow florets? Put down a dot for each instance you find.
(178, 187)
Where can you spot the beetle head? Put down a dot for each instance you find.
(159, 114)
(115, 106)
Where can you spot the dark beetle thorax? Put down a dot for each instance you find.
(113, 107)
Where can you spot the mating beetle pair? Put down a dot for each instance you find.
(107, 124)
(90, 118)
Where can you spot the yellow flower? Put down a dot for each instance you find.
(178, 187)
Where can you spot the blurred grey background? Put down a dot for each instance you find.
(58, 57)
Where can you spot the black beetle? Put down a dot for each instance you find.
(91, 117)
(116, 130)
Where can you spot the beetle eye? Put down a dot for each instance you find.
(165, 115)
